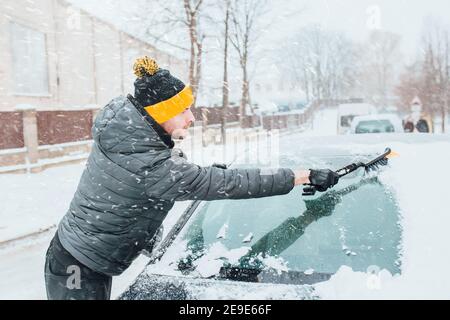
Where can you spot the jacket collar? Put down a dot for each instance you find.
(165, 137)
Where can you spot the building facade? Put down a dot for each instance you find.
(55, 56)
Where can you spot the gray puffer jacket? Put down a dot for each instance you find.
(131, 180)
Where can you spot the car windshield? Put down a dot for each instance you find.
(295, 239)
(374, 126)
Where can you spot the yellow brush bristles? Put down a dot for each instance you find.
(145, 66)
(393, 154)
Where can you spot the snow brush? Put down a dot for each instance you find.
(372, 165)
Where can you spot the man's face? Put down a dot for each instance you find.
(178, 125)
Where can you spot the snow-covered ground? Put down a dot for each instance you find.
(22, 270)
(31, 202)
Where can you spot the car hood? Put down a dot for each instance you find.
(163, 287)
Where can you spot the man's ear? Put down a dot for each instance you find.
(165, 127)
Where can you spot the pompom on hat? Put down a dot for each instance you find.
(162, 95)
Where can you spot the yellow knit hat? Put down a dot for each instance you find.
(162, 95)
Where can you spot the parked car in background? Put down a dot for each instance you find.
(377, 123)
(348, 111)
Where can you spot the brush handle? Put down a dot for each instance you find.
(348, 169)
(379, 158)
(311, 190)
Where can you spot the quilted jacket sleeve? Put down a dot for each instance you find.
(172, 177)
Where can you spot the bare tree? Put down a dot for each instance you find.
(192, 10)
(428, 77)
(244, 15)
(381, 60)
(410, 85)
(340, 67)
(436, 69)
(167, 20)
(321, 62)
(225, 87)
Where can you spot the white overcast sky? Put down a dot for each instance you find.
(355, 18)
(404, 17)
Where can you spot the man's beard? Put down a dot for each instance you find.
(180, 134)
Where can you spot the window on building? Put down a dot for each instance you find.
(29, 59)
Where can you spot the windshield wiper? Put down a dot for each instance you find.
(239, 274)
(271, 276)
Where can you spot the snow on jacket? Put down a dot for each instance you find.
(131, 180)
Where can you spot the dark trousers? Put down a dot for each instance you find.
(67, 279)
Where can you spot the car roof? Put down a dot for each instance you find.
(355, 108)
(380, 116)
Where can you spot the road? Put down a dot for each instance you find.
(22, 270)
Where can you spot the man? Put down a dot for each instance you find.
(131, 180)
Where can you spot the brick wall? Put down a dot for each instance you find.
(11, 130)
(56, 127)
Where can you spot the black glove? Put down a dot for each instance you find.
(324, 179)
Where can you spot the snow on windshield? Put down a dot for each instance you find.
(423, 224)
(418, 177)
